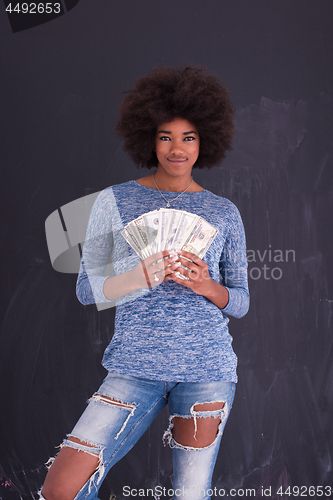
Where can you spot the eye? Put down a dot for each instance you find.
(190, 138)
(164, 138)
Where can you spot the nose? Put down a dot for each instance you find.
(176, 147)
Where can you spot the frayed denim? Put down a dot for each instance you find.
(124, 407)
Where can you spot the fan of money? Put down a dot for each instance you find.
(169, 229)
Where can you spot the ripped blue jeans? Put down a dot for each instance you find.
(112, 428)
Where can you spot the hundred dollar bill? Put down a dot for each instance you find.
(185, 224)
(143, 236)
(200, 238)
(174, 219)
(132, 240)
(151, 224)
(139, 235)
(164, 215)
(135, 229)
(169, 229)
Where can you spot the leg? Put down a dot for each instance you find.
(73, 467)
(185, 433)
(70, 470)
(110, 426)
(198, 415)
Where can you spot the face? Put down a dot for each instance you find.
(177, 147)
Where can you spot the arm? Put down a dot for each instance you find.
(97, 282)
(231, 295)
(217, 294)
(199, 279)
(233, 270)
(96, 252)
(142, 276)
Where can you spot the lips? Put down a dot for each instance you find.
(177, 160)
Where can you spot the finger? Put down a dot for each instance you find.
(190, 275)
(167, 262)
(159, 257)
(189, 255)
(162, 273)
(153, 258)
(192, 266)
(165, 267)
(176, 276)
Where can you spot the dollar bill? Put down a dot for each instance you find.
(132, 240)
(163, 226)
(143, 235)
(200, 238)
(174, 220)
(186, 222)
(169, 229)
(151, 224)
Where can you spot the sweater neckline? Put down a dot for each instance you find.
(168, 192)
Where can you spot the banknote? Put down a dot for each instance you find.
(143, 235)
(151, 224)
(174, 218)
(200, 238)
(132, 240)
(184, 227)
(164, 215)
(169, 229)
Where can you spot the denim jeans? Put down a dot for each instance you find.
(112, 429)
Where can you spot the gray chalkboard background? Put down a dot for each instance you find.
(60, 88)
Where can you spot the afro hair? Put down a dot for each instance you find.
(167, 93)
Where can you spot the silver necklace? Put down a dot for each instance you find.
(170, 201)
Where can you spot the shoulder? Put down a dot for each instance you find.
(219, 202)
(222, 211)
(123, 189)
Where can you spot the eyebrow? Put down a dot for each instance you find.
(184, 133)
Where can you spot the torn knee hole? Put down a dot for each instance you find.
(195, 433)
(81, 445)
(201, 429)
(79, 441)
(218, 405)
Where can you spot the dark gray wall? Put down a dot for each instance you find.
(60, 88)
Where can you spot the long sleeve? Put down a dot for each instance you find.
(105, 255)
(233, 269)
(95, 267)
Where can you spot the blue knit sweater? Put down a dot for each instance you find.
(167, 332)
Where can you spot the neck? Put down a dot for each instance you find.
(175, 184)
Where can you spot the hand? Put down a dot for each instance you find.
(197, 272)
(153, 270)
(199, 279)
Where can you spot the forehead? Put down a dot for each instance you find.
(177, 125)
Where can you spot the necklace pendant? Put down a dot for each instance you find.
(173, 199)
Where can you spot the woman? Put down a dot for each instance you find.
(171, 343)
